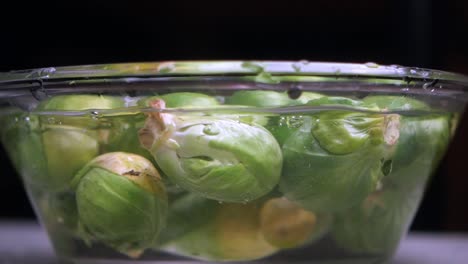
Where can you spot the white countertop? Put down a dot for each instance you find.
(25, 242)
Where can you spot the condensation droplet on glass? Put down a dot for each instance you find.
(166, 67)
(371, 65)
(424, 73)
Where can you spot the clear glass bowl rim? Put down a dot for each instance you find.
(227, 68)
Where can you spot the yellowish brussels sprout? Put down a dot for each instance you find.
(286, 225)
(231, 233)
(49, 157)
(121, 202)
(49, 152)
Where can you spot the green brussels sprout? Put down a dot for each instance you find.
(183, 99)
(283, 126)
(49, 157)
(377, 224)
(305, 97)
(280, 127)
(286, 225)
(421, 145)
(334, 160)
(259, 98)
(230, 233)
(79, 102)
(49, 154)
(121, 135)
(187, 212)
(221, 159)
(121, 201)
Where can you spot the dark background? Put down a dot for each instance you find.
(413, 33)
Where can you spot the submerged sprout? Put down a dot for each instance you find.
(422, 142)
(378, 223)
(50, 157)
(334, 160)
(187, 212)
(121, 201)
(221, 159)
(231, 233)
(183, 100)
(286, 225)
(259, 98)
(79, 102)
(48, 154)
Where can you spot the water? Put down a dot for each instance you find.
(293, 184)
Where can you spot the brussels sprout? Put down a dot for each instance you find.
(395, 102)
(376, 226)
(121, 201)
(121, 135)
(48, 154)
(183, 100)
(286, 225)
(226, 160)
(259, 98)
(422, 142)
(230, 233)
(80, 102)
(334, 160)
(187, 212)
(49, 157)
(282, 127)
(305, 97)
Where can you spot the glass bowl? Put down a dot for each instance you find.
(245, 161)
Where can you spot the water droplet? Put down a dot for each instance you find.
(413, 71)
(51, 120)
(220, 202)
(166, 67)
(405, 89)
(211, 130)
(46, 72)
(371, 65)
(25, 119)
